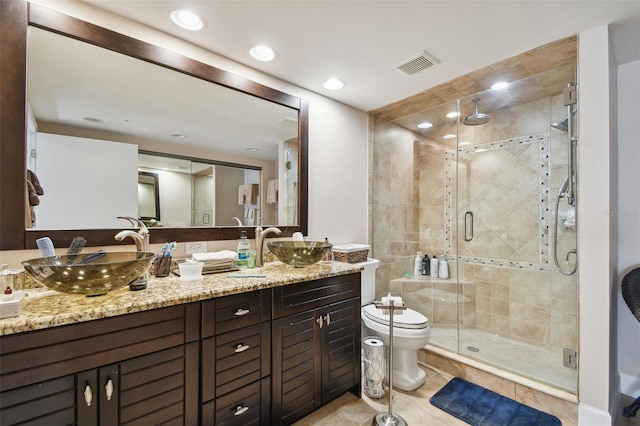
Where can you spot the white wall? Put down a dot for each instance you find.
(597, 269)
(104, 195)
(337, 133)
(629, 221)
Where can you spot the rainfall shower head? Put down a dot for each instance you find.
(476, 118)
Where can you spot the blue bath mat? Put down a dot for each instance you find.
(481, 407)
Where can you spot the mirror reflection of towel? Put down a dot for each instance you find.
(248, 193)
(272, 191)
(34, 189)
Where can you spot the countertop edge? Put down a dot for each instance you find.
(44, 308)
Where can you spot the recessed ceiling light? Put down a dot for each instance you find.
(92, 120)
(464, 143)
(334, 84)
(251, 149)
(452, 114)
(499, 85)
(449, 136)
(187, 19)
(178, 135)
(262, 53)
(425, 125)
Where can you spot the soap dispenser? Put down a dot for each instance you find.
(243, 250)
(443, 268)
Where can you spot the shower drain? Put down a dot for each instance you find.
(472, 349)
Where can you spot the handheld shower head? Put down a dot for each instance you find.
(562, 124)
(476, 118)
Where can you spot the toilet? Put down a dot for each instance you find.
(411, 331)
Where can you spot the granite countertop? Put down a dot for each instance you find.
(44, 308)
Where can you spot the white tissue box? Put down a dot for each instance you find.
(11, 307)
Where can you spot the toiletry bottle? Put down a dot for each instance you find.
(426, 265)
(329, 255)
(434, 267)
(243, 250)
(417, 264)
(443, 268)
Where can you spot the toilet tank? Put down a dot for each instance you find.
(368, 280)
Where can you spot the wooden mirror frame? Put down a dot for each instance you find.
(15, 18)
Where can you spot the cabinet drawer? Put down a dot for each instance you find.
(234, 359)
(296, 298)
(249, 405)
(236, 311)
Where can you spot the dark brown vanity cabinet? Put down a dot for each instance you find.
(128, 370)
(316, 345)
(263, 357)
(236, 359)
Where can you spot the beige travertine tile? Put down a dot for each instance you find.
(445, 365)
(491, 382)
(566, 411)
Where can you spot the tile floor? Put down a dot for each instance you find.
(414, 407)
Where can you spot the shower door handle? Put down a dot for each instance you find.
(468, 230)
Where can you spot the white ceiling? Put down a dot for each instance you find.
(360, 41)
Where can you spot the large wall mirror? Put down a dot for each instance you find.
(118, 127)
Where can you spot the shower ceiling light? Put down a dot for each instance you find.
(452, 114)
(334, 84)
(499, 85)
(425, 125)
(262, 53)
(187, 19)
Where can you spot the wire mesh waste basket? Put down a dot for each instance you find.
(374, 367)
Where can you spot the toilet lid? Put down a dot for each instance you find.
(408, 319)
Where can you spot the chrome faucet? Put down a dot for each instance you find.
(260, 235)
(140, 238)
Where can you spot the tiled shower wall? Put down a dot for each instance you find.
(524, 298)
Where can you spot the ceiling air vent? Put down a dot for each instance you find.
(418, 62)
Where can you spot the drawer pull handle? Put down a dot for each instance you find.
(88, 395)
(241, 409)
(108, 389)
(240, 312)
(240, 348)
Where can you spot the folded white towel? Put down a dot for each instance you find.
(216, 255)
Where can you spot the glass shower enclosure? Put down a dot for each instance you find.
(484, 195)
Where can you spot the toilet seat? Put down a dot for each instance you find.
(408, 319)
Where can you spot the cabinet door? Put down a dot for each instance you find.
(109, 385)
(340, 348)
(46, 403)
(296, 369)
(97, 396)
(152, 388)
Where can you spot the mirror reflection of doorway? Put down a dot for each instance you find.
(148, 196)
(203, 200)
